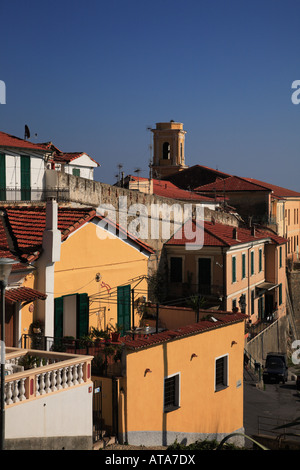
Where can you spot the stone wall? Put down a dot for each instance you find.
(293, 278)
(94, 193)
(274, 338)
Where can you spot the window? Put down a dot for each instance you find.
(76, 171)
(171, 392)
(280, 294)
(233, 304)
(243, 266)
(176, 269)
(260, 260)
(252, 263)
(280, 256)
(166, 150)
(221, 373)
(233, 269)
(71, 315)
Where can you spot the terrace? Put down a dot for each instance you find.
(32, 373)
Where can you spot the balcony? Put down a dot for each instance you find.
(12, 195)
(32, 373)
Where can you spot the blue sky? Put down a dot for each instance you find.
(92, 76)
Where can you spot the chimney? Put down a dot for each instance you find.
(253, 231)
(235, 233)
(51, 235)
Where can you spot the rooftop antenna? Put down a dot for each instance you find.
(27, 132)
(120, 166)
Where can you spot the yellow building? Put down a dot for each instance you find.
(182, 385)
(78, 271)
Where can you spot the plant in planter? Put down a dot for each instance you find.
(29, 362)
(98, 365)
(86, 341)
(36, 327)
(99, 335)
(115, 332)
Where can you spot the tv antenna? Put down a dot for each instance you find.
(138, 171)
(27, 132)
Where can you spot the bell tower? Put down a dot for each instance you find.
(168, 149)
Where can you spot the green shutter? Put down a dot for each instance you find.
(260, 260)
(233, 269)
(280, 294)
(25, 178)
(243, 266)
(252, 302)
(58, 317)
(2, 177)
(252, 262)
(123, 301)
(280, 256)
(76, 171)
(82, 319)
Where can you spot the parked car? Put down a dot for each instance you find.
(276, 369)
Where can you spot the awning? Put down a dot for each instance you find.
(23, 294)
(265, 286)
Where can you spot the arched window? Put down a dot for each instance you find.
(166, 150)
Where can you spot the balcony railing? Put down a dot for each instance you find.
(29, 195)
(52, 372)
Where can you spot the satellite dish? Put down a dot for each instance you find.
(27, 132)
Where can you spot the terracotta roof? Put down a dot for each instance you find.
(27, 224)
(167, 189)
(278, 191)
(216, 234)
(233, 183)
(23, 294)
(69, 157)
(7, 140)
(223, 319)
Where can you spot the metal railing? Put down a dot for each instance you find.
(33, 195)
(268, 426)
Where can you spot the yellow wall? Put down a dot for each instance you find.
(83, 255)
(202, 409)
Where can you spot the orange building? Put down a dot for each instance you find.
(182, 385)
(236, 267)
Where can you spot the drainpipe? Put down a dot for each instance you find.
(224, 280)
(45, 278)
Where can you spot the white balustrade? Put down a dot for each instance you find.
(57, 377)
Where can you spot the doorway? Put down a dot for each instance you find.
(204, 276)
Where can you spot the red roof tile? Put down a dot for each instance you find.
(216, 234)
(233, 183)
(223, 319)
(167, 189)
(278, 191)
(7, 140)
(27, 224)
(23, 294)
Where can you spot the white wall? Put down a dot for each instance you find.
(61, 414)
(13, 175)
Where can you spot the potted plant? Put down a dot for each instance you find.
(115, 332)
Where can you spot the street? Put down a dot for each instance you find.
(274, 401)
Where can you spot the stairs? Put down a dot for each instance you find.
(103, 440)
